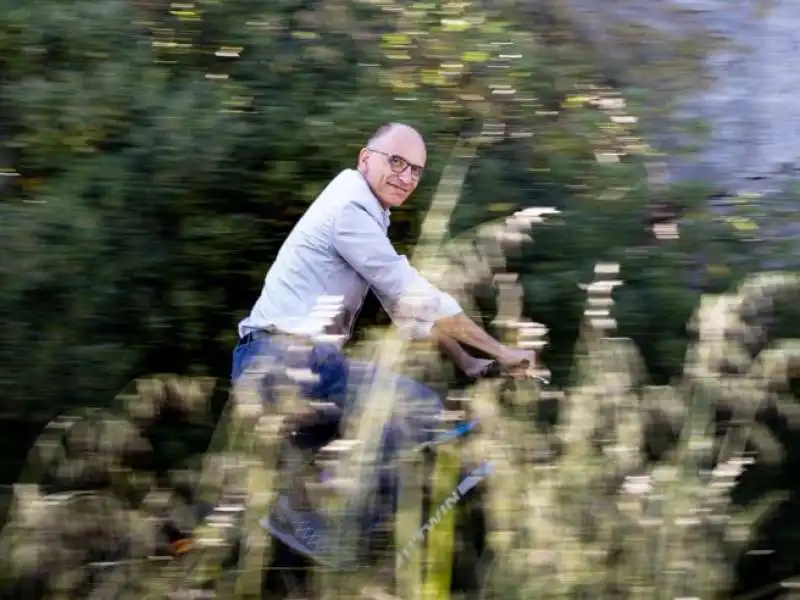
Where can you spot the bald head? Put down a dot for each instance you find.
(392, 163)
(389, 130)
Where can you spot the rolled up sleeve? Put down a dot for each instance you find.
(362, 242)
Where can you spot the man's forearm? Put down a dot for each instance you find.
(463, 359)
(462, 329)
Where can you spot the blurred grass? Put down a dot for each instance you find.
(577, 507)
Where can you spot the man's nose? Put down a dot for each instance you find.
(406, 176)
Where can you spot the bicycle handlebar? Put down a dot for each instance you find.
(495, 371)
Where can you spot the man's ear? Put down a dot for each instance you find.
(362, 158)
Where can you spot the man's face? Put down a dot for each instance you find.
(393, 165)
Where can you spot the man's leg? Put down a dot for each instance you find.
(416, 406)
(317, 372)
(413, 418)
(344, 383)
(336, 379)
(266, 363)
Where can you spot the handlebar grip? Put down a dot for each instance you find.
(494, 370)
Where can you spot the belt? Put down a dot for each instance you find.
(269, 331)
(259, 334)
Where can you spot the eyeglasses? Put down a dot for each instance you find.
(398, 165)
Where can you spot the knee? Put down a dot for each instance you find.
(415, 390)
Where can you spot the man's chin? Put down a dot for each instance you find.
(391, 201)
(397, 198)
(392, 197)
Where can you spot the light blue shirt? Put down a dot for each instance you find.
(336, 252)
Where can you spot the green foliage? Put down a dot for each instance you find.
(155, 156)
(160, 159)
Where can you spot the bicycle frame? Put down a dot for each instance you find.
(439, 528)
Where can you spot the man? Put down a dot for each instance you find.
(339, 250)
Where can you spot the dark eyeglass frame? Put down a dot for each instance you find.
(398, 164)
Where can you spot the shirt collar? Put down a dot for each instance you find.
(353, 174)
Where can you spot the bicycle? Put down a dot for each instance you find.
(452, 517)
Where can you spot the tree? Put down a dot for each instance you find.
(160, 167)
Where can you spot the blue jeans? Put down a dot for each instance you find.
(338, 380)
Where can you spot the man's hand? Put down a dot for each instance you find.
(516, 362)
(477, 367)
